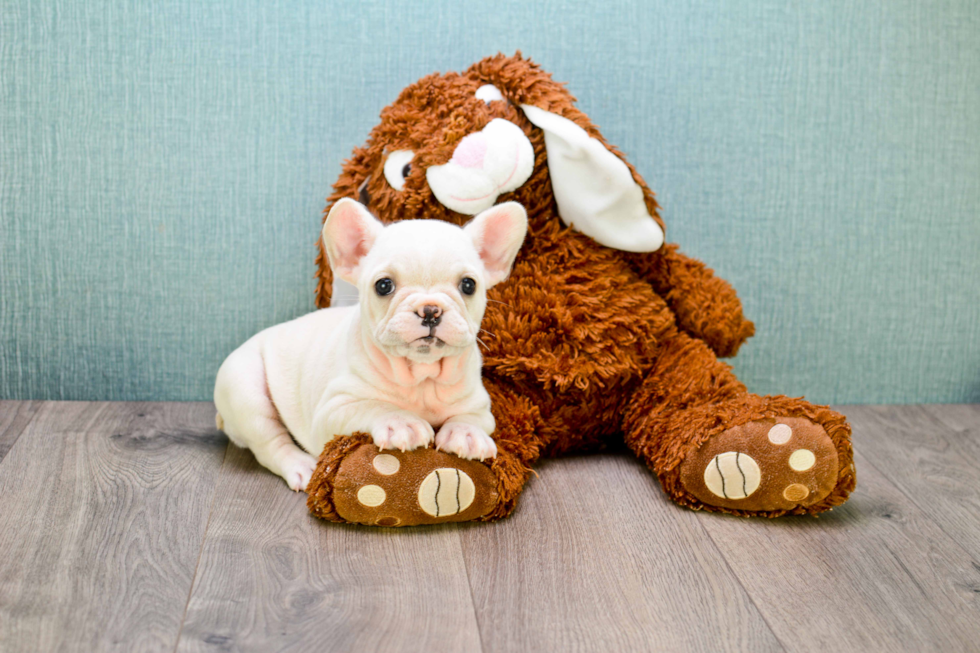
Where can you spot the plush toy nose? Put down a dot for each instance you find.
(470, 151)
(431, 315)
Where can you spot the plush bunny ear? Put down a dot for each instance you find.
(594, 189)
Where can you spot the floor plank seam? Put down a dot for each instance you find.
(925, 513)
(469, 583)
(23, 429)
(200, 552)
(748, 594)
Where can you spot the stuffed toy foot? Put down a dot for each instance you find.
(782, 464)
(749, 455)
(716, 446)
(358, 483)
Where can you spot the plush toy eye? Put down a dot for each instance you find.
(397, 167)
(488, 93)
(384, 286)
(467, 286)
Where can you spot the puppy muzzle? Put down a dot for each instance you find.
(427, 327)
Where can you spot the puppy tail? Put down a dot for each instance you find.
(219, 421)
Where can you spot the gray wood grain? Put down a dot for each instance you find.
(931, 454)
(103, 515)
(597, 559)
(274, 578)
(136, 527)
(14, 418)
(877, 574)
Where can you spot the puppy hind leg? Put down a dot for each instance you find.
(275, 450)
(248, 416)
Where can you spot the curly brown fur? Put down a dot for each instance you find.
(320, 487)
(518, 444)
(583, 343)
(672, 400)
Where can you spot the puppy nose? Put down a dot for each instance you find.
(431, 314)
(470, 151)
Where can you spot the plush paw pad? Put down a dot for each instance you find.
(402, 432)
(732, 475)
(404, 488)
(767, 465)
(445, 492)
(466, 441)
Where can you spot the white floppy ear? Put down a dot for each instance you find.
(594, 189)
(348, 234)
(498, 234)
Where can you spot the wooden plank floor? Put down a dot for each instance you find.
(137, 527)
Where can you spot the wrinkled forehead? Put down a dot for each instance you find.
(423, 248)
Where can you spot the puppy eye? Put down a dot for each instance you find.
(467, 286)
(397, 167)
(488, 93)
(384, 286)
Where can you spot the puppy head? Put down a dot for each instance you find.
(453, 144)
(423, 284)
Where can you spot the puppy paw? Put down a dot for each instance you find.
(466, 441)
(401, 431)
(297, 468)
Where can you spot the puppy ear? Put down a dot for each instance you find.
(594, 189)
(498, 234)
(348, 234)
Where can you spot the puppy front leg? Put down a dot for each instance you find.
(390, 427)
(468, 436)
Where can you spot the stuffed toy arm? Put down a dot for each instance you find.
(706, 306)
(600, 195)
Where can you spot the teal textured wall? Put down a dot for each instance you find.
(163, 168)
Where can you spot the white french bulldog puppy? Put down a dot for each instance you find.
(404, 360)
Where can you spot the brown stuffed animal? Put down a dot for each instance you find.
(601, 333)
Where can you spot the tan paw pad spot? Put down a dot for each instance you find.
(796, 492)
(371, 495)
(802, 460)
(780, 434)
(386, 464)
(732, 475)
(446, 492)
